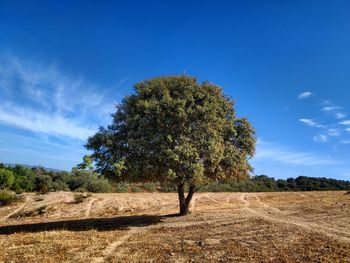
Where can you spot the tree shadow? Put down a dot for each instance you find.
(99, 224)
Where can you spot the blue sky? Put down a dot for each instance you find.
(64, 66)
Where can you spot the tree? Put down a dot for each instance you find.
(173, 129)
(7, 178)
(87, 163)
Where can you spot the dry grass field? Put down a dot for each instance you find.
(142, 227)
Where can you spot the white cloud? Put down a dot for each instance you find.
(320, 138)
(347, 122)
(35, 121)
(340, 115)
(331, 108)
(311, 123)
(40, 98)
(304, 95)
(271, 152)
(333, 132)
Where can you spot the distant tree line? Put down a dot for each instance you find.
(20, 178)
(263, 183)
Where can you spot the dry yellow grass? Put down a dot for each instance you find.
(140, 227)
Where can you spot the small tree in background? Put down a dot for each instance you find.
(7, 178)
(174, 129)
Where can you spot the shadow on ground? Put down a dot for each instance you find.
(100, 224)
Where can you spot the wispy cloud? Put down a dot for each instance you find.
(271, 152)
(311, 123)
(304, 95)
(331, 108)
(340, 115)
(53, 124)
(320, 138)
(333, 132)
(43, 99)
(347, 122)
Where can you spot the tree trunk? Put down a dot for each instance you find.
(185, 201)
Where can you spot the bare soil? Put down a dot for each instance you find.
(143, 227)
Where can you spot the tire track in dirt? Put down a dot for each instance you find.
(212, 199)
(330, 232)
(232, 196)
(16, 211)
(309, 223)
(113, 246)
(89, 206)
(267, 206)
(193, 203)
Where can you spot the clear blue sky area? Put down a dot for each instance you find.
(65, 64)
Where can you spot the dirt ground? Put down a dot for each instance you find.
(143, 227)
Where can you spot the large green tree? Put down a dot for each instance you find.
(174, 129)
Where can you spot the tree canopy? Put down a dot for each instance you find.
(174, 129)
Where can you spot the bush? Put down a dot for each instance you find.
(41, 210)
(7, 198)
(80, 197)
(150, 187)
(216, 188)
(121, 188)
(25, 180)
(80, 190)
(43, 183)
(7, 178)
(99, 186)
(136, 189)
(59, 186)
(168, 187)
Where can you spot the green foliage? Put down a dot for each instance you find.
(174, 129)
(7, 197)
(24, 179)
(136, 189)
(59, 186)
(80, 190)
(7, 178)
(87, 163)
(121, 187)
(43, 183)
(150, 187)
(99, 185)
(79, 197)
(41, 210)
(263, 183)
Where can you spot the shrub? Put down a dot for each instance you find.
(7, 178)
(25, 180)
(168, 187)
(214, 187)
(7, 198)
(59, 186)
(41, 210)
(80, 190)
(136, 189)
(150, 187)
(79, 197)
(99, 186)
(43, 183)
(121, 188)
